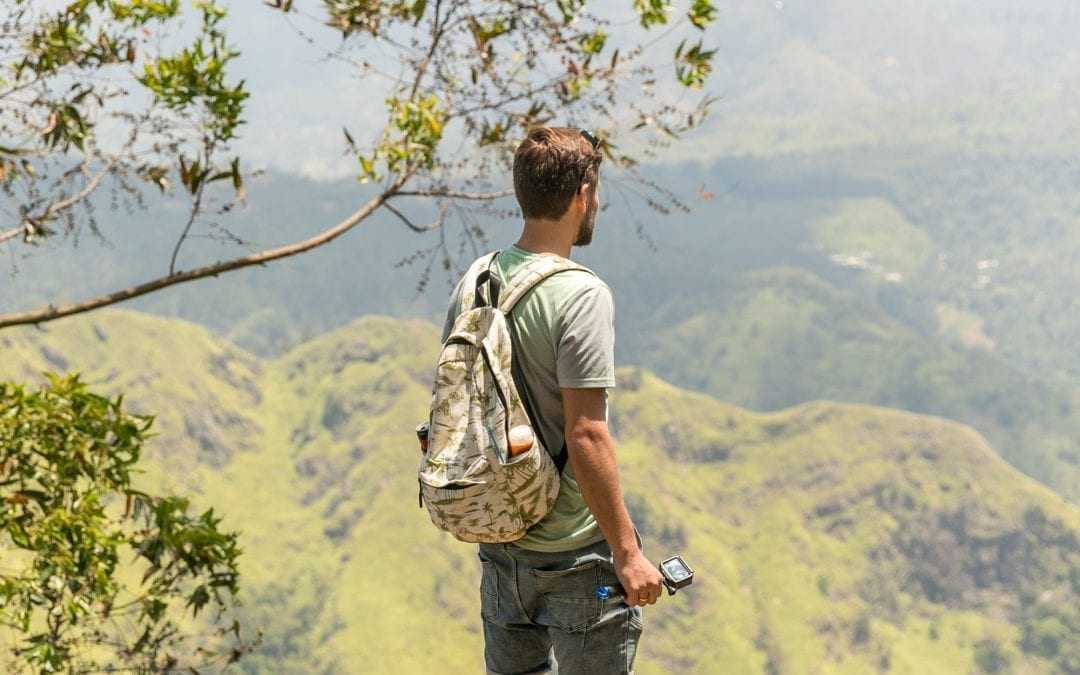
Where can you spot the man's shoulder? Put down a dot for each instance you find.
(577, 282)
(574, 280)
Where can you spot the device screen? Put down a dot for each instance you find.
(676, 569)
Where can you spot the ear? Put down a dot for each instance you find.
(583, 193)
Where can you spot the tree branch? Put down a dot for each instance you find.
(437, 30)
(511, 98)
(453, 194)
(50, 312)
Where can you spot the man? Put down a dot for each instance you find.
(546, 592)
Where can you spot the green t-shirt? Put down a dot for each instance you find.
(567, 333)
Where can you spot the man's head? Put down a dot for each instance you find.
(556, 171)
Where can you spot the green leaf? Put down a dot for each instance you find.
(701, 13)
(593, 43)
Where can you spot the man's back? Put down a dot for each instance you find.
(566, 330)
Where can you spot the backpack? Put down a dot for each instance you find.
(472, 487)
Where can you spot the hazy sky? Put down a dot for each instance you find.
(842, 70)
(300, 98)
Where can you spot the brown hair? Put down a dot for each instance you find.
(550, 165)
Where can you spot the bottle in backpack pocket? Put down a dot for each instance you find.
(521, 439)
(422, 436)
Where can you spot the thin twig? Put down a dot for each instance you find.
(57, 207)
(196, 206)
(439, 220)
(52, 312)
(13, 232)
(421, 69)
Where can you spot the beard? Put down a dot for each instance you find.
(588, 224)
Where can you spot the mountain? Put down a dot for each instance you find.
(826, 537)
(797, 77)
(781, 336)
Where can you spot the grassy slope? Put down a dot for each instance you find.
(876, 234)
(828, 538)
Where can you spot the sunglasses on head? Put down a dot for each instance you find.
(593, 140)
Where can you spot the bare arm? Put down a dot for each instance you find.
(592, 457)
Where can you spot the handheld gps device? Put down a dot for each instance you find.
(677, 574)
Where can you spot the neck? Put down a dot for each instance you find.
(547, 236)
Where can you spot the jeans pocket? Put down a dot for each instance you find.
(570, 599)
(489, 590)
(573, 615)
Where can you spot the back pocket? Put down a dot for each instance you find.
(570, 601)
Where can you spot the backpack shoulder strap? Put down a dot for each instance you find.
(523, 282)
(535, 272)
(476, 276)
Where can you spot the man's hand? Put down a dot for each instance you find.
(641, 581)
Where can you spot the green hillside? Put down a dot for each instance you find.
(782, 336)
(828, 538)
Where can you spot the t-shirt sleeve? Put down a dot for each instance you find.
(585, 355)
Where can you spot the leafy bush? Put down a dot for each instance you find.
(95, 572)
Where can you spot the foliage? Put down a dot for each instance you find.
(991, 658)
(1049, 631)
(494, 69)
(70, 518)
(479, 71)
(197, 73)
(693, 64)
(72, 73)
(419, 126)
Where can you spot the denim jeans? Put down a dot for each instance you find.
(535, 605)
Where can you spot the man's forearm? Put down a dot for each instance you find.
(592, 457)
